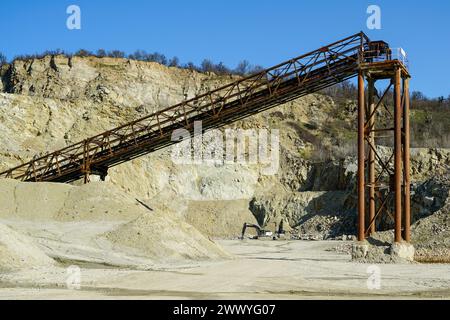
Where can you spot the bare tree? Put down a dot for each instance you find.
(101, 53)
(3, 59)
(83, 53)
(174, 62)
(417, 95)
(207, 66)
(116, 54)
(191, 66)
(242, 68)
(221, 69)
(156, 57)
(138, 55)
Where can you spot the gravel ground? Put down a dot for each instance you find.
(261, 270)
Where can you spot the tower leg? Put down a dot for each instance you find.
(406, 164)
(371, 127)
(361, 158)
(398, 156)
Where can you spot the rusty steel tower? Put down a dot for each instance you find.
(382, 183)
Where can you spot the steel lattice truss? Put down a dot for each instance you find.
(297, 77)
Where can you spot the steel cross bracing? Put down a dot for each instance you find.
(309, 73)
(384, 181)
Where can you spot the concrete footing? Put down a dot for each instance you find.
(396, 253)
(360, 250)
(403, 251)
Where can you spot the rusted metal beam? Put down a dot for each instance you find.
(398, 156)
(379, 101)
(361, 157)
(380, 209)
(406, 163)
(371, 175)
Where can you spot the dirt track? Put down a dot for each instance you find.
(261, 270)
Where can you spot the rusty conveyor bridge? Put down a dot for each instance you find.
(329, 65)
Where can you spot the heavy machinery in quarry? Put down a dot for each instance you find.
(261, 233)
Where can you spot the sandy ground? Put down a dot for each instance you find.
(260, 270)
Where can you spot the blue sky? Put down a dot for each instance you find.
(264, 32)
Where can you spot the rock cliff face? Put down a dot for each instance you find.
(48, 103)
(120, 82)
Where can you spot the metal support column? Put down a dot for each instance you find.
(398, 155)
(406, 164)
(371, 164)
(361, 158)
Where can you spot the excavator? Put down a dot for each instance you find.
(261, 233)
